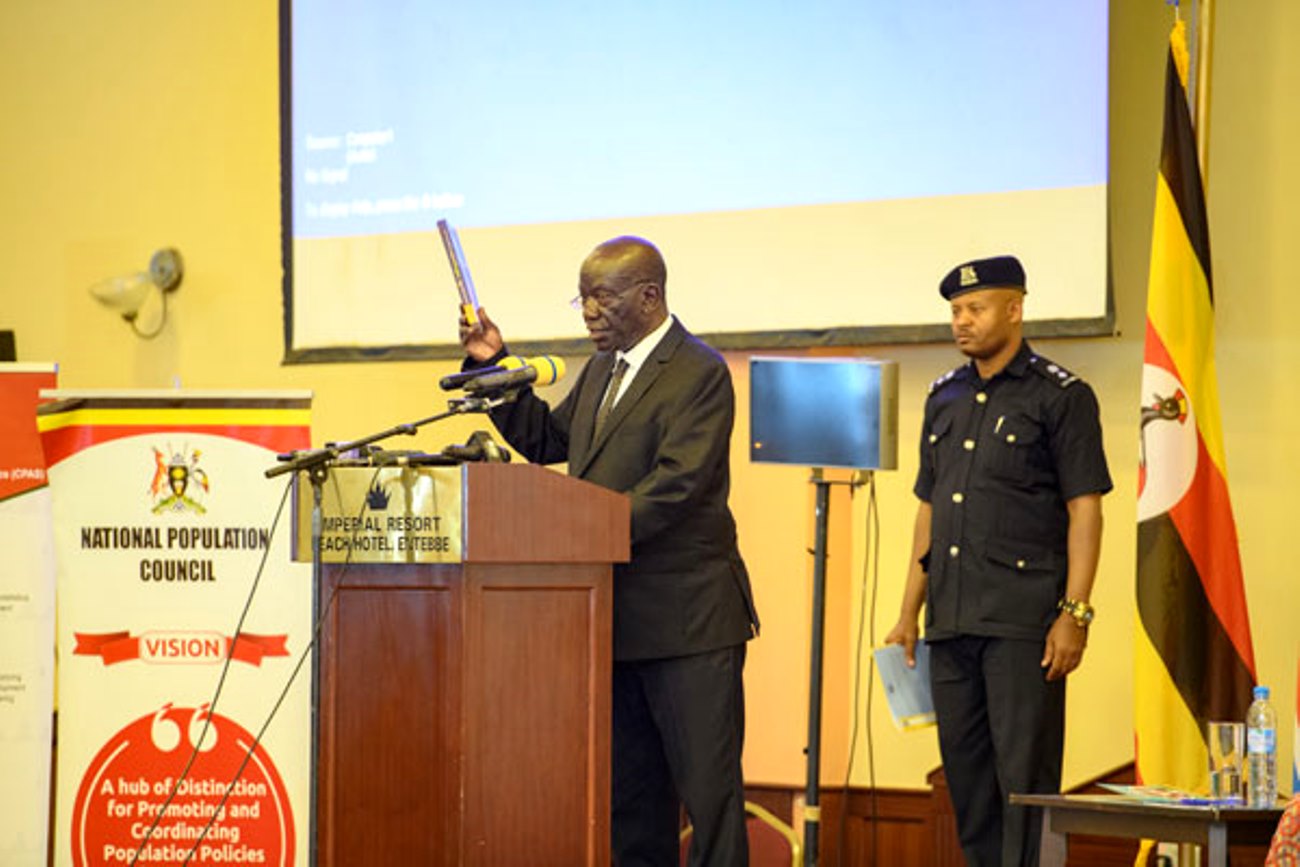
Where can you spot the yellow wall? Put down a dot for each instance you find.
(134, 124)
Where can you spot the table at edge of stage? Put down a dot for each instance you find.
(1211, 826)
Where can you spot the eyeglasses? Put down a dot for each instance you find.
(603, 298)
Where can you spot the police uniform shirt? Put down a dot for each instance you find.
(999, 461)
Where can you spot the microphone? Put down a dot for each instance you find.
(458, 380)
(542, 370)
(479, 447)
(509, 363)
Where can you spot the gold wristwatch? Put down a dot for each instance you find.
(1081, 611)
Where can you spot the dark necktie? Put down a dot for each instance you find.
(611, 395)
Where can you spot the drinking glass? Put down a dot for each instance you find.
(1227, 743)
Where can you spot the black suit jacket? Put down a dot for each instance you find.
(667, 446)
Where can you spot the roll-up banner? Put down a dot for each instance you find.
(26, 619)
(176, 590)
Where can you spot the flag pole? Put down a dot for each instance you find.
(1201, 109)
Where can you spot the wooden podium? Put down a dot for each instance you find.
(464, 668)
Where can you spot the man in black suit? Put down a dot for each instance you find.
(651, 416)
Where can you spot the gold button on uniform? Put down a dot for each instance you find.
(952, 552)
(981, 397)
(1011, 438)
(934, 437)
(957, 497)
(968, 445)
(1020, 564)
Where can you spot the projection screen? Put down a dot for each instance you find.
(810, 171)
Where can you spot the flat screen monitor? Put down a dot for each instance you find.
(824, 412)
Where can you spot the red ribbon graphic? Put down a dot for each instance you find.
(115, 647)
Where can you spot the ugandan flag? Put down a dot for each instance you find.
(1192, 652)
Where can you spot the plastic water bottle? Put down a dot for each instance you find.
(1261, 751)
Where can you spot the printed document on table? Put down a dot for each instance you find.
(908, 689)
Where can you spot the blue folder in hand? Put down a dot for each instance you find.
(908, 689)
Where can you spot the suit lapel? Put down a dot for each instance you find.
(584, 412)
(641, 383)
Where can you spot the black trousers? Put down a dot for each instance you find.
(1001, 730)
(678, 730)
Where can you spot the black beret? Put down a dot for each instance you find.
(999, 272)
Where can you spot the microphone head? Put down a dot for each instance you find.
(479, 447)
(550, 368)
(523, 372)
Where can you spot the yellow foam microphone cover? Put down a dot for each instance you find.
(550, 368)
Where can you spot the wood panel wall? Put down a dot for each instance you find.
(862, 827)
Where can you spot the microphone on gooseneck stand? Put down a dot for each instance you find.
(509, 363)
(479, 447)
(542, 370)
(453, 381)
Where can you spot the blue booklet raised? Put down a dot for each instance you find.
(908, 689)
(459, 271)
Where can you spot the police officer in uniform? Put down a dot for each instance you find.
(1005, 548)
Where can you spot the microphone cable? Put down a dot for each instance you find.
(866, 609)
(221, 681)
(302, 657)
(211, 705)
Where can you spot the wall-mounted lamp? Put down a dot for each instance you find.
(142, 297)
